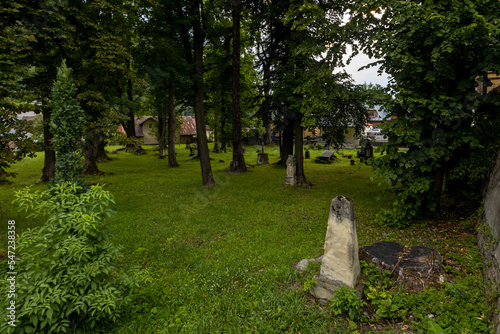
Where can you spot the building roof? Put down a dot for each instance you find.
(188, 126)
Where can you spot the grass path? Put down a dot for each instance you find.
(221, 259)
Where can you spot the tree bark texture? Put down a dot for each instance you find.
(102, 156)
(91, 147)
(299, 154)
(49, 165)
(268, 135)
(162, 127)
(201, 132)
(286, 147)
(130, 124)
(238, 156)
(172, 160)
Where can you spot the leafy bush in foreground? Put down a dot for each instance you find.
(67, 274)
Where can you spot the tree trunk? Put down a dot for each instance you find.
(162, 127)
(203, 153)
(238, 157)
(172, 160)
(49, 166)
(268, 135)
(91, 147)
(130, 124)
(299, 154)
(101, 151)
(437, 191)
(223, 134)
(286, 148)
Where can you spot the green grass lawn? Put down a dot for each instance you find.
(221, 259)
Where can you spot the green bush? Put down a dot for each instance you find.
(67, 123)
(346, 301)
(67, 274)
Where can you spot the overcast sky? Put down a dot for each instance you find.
(369, 75)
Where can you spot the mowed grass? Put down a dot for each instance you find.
(220, 259)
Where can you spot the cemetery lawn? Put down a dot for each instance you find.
(220, 259)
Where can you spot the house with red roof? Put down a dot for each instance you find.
(146, 130)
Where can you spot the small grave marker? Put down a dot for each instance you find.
(326, 157)
(290, 178)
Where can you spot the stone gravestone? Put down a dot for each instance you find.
(326, 157)
(290, 178)
(340, 264)
(368, 150)
(192, 151)
(262, 159)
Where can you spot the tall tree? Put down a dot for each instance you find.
(86, 34)
(201, 132)
(172, 160)
(161, 57)
(302, 44)
(67, 125)
(238, 157)
(14, 140)
(437, 52)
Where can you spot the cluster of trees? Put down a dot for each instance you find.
(273, 61)
(227, 60)
(438, 54)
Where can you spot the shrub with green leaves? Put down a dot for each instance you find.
(346, 301)
(67, 124)
(67, 272)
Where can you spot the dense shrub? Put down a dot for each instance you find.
(67, 274)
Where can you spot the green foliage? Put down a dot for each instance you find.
(436, 52)
(458, 307)
(390, 304)
(309, 283)
(67, 124)
(15, 143)
(346, 301)
(219, 267)
(376, 278)
(68, 275)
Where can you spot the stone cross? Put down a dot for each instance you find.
(291, 164)
(340, 264)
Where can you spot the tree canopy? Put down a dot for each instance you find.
(437, 53)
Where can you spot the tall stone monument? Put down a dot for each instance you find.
(340, 264)
(291, 165)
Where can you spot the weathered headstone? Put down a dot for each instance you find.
(368, 150)
(307, 155)
(262, 159)
(326, 157)
(290, 178)
(192, 151)
(340, 264)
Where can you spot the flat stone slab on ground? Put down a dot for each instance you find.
(415, 267)
(326, 157)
